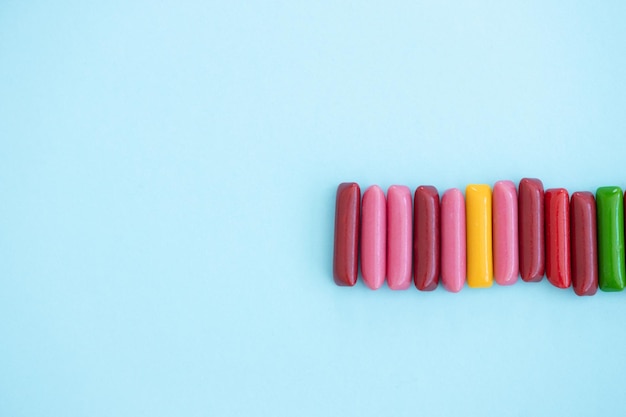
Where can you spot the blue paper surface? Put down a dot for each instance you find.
(167, 181)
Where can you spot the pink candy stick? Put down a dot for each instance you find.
(399, 237)
(505, 243)
(453, 256)
(374, 237)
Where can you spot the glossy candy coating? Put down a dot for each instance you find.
(374, 237)
(399, 237)
(556, 201)
(426, 238)
(479, 239)
(505, 237)
(531, 230)
(610, 213)
(347, 220)
(583, 237)
(453, 257)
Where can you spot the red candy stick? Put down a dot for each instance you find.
(347, 220)
(426, 238)
(531, 230)
(583, 234)
(557, 237)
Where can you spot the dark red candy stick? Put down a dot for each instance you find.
(583, 234)
(347, 220)
(531, 230)
(426, 238)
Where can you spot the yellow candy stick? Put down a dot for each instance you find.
(479, 246)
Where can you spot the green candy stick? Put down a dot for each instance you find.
(610, 212)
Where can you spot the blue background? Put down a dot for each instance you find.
(167, 181)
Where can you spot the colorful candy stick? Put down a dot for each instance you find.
(453, 264)
(505, 237)
(479, 243)
(426, 238)
(399, 237)
(611, 270)
(531, 230)
(583, 243)
(557, 237)
(374, 237)
(347, 220)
